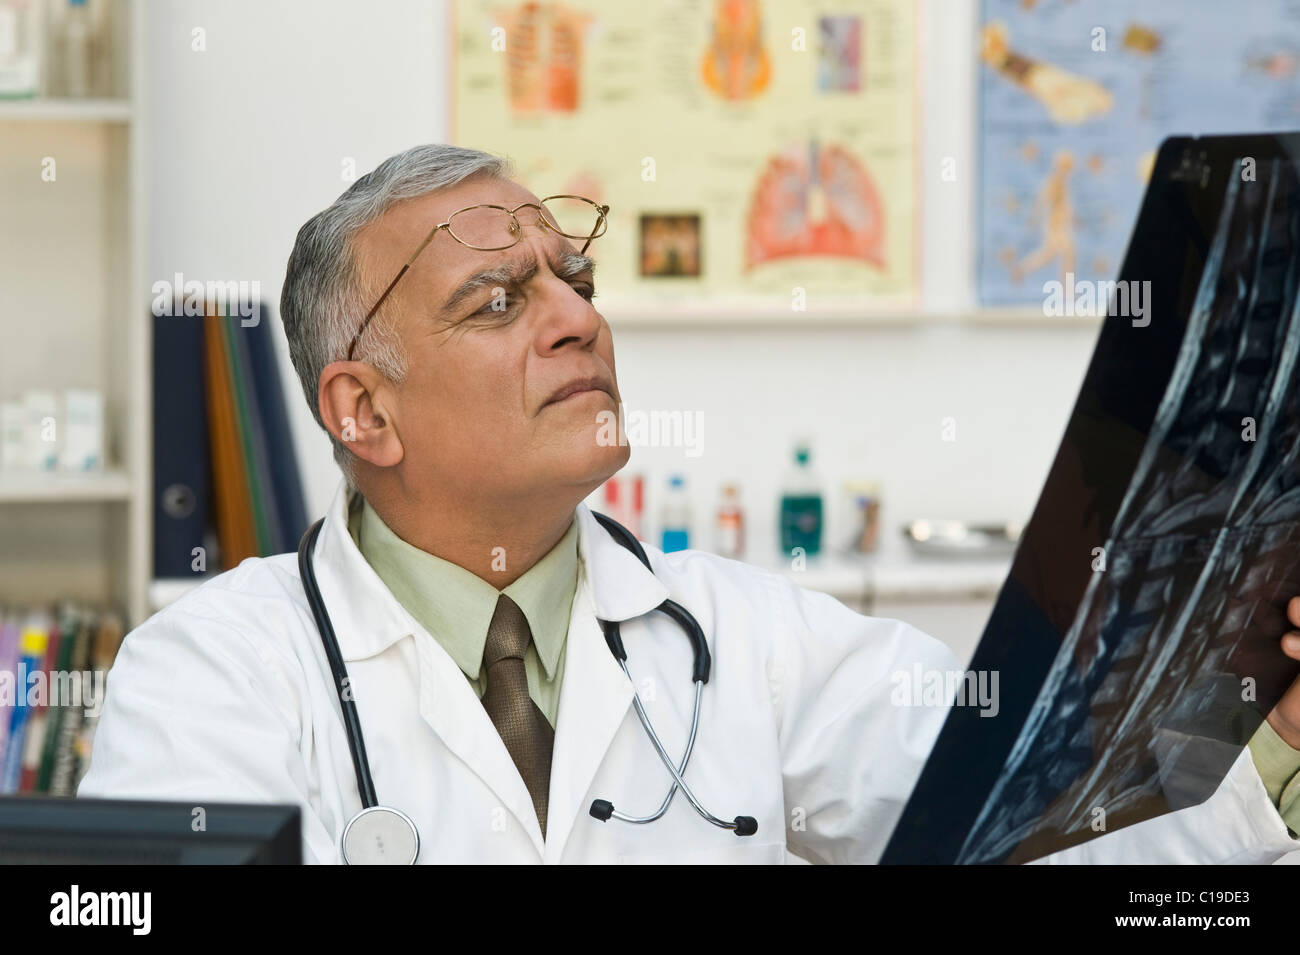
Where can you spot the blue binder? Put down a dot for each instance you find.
(256, 343)
(182, 484)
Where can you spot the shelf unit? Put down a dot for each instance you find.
(76, 297)
(678, 316)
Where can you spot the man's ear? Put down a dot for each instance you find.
(354, 401)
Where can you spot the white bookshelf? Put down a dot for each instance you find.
(66, 110)
(72, 264)
(113, 484)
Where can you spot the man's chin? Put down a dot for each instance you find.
(593, 464)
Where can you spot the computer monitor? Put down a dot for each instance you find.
(43, 830)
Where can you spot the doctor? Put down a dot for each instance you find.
(460, 375)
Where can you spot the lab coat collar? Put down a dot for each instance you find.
(371, 620)
(621, 586)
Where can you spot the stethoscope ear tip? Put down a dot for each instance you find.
(745, 825)
(602, 809)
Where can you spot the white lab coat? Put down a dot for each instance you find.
(226, 696)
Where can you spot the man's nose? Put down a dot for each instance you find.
(569, 319)
(566, 316)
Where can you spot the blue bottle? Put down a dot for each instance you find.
(676, 515)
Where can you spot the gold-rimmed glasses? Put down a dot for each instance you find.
(490, 228)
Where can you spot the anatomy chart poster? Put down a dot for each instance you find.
(747, 148)
(1074, 98)
(1137, 635)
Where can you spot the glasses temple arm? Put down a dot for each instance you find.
(391, 285)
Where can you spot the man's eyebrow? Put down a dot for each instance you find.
(565, 265)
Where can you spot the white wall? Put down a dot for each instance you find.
(248, 139)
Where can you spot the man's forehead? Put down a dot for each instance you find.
(397, 233)
(422, 213)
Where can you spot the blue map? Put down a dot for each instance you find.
(1075, 97)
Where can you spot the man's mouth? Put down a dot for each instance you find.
(577, 387)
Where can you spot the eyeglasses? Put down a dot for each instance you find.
(490, 228)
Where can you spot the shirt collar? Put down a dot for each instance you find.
(456, 606)
(367, 619)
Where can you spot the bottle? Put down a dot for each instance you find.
(676, 515)
(801, 506)
(862, 504)
(76, 50)
(22, 42)
(634, 503)
(729, 526)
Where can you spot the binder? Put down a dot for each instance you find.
(231, 498)
(282, 460)
(249, 431)
(181, 465)
(222, 443)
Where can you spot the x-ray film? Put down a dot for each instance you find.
(1136, 637)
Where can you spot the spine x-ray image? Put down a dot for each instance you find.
(1137, 634)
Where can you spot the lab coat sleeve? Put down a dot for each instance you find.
(195, 712)
(851, 746)
(1237, 825)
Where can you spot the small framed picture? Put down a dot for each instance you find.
(670, 245)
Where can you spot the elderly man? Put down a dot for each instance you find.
(440, 317)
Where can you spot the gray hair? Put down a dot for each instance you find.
(325, 294)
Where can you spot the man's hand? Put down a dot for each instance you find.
(1285, 718)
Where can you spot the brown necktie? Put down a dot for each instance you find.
(523, 727)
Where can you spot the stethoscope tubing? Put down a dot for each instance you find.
(600, 809)
(351, 718)
(686, 756)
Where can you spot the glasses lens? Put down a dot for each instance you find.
(483, 227)
(575, 218)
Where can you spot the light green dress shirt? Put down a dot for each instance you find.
(1278, 766)
(456, 606)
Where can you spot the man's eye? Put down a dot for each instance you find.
(498, 307)
(501, 307)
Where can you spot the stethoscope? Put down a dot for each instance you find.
(383, 835)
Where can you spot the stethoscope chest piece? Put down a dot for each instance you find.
(380, 836)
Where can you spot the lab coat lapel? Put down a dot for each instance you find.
(367, 623)
(596, 693)
(451, 708)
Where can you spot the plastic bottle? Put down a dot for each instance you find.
(76, 50)
(729, 525)
(22, 42)
(676, 516)
(801, 506)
